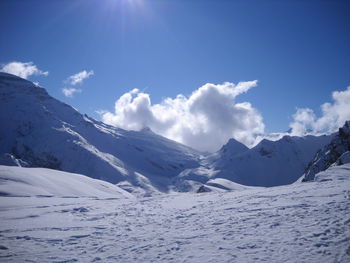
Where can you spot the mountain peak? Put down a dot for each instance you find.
(233, 147)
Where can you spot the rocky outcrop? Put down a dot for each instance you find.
(330, 154)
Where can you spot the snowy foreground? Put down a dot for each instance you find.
(303, 222)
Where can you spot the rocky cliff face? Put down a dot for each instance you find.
(334, 152)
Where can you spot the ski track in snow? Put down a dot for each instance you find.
(307, 222)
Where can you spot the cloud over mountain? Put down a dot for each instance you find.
(23, 69)
(205, 120)
(333, 116)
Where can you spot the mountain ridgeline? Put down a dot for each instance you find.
(39, 131)
(270, 163)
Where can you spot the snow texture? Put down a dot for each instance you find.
(302, 222)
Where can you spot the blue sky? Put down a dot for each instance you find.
(297, 50)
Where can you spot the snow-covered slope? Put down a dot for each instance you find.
(330, 154)
(339, 173)
(270, 163)
(231, 149)
(220, 185)
(302, 222)
(18, 181)
(40, 131)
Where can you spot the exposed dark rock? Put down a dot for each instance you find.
(329, 155)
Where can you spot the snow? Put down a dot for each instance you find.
(71, 216)
(41, 131)
(344, 158)
(270, 163)
(225, 184)
(336, 152)
(18, 181)
(340, 173)
(302, 222)
(44, 132)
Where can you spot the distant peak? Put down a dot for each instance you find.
(233, 142)
(233, 147)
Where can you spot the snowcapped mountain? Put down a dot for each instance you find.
(227, 152)
(39, 131)
(336, 152)
(70, 217)
(269, 163)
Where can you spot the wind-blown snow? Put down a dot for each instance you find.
(303, 222)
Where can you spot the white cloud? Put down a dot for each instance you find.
(23, 69)
(303, 119)
(79, 77)
(205, 120)
(333, 116)
(69, 92)
(74, 80)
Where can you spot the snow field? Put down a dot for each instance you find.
(303, 222)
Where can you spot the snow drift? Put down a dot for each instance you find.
(19, 181)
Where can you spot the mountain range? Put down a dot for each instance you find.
(39, 131)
